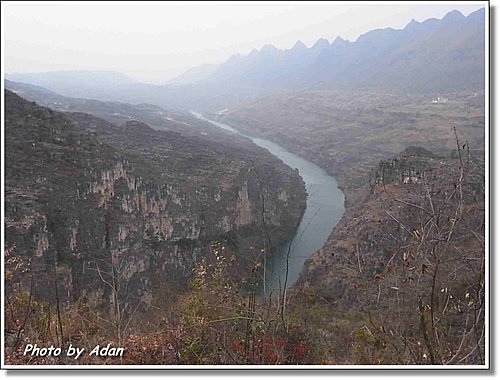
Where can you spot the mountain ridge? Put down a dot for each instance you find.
(435, 55)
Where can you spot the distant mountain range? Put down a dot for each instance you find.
(113, 112)
(446, 54)
(443, 55)
(194, 75)
(59, 79)
(119, 113)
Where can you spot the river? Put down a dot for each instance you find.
(325, 207)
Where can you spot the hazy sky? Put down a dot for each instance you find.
(157, 41)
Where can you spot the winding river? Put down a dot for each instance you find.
(325, 207)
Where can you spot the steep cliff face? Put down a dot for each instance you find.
(113, 213)
(418, 202)
(408, 259)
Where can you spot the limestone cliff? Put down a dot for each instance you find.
(94, 210)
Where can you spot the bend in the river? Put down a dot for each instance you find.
(325, 207)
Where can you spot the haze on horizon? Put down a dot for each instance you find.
(154, 42)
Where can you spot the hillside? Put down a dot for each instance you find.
(115, 218)
(119, 113)
(115, 112)
(347, 133)
(401, 278)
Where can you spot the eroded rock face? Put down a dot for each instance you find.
(243, 207)
(116, 211)
(390, 243)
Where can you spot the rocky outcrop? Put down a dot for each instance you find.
(419, 222)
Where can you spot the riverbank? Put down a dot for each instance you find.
(325, 207)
